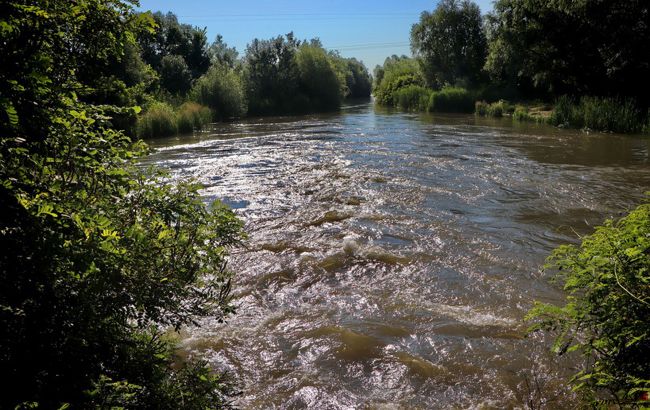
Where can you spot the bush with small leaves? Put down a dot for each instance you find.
(605, 317)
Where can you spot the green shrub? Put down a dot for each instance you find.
(451, 99)
(521, 114)
(607, 308)
(565, 113)
(610, 114)
(158, 121)
(500, 108)
(412, 98)
(481, 108)
(222, 91)
(318, 81)
(497, 109)
(161, 120)
(192, 116)
(175, 75)
(100, 256)
(397, 73)
(598, 113)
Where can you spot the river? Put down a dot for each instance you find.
(392, 256)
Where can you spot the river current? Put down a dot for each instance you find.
(392, 257)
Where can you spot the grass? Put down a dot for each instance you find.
(417, 98)
(412, 98)
(593, 113)
(599, 114)
(162, 120)
(158, 121)
(451, 99)
(496, 109)
(522, 112)
(192, 116)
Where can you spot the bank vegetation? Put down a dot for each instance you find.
(585, 61)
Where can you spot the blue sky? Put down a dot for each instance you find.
(367, 30)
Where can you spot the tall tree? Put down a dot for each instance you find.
(220, 53)
(171, 38)
(358, 79)
(577, 47)
(271, 74)
(450, 43)
(99, 257)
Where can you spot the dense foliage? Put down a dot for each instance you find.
(221, 90)
(320, 86)
(286, 75)
(271, 73)
(99, 257)
(173, 39)
(450, 43)
(607, 114)
(451, 99)
(357, 79)
(605, 317)
(282, 75)
(589, 47)
(396, 73)
(592, 52)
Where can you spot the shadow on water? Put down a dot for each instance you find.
(392, 256)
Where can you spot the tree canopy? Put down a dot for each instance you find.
(451, 43)
(588, 47)
(287, 75)
(99, 257)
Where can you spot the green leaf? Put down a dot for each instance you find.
(10, 110)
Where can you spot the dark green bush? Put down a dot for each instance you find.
(397, 73)
(610, 114)
(412, 98)
(597, 113)
(495, 92)
(192, 116)
(175, 75)
(521, 114)
(451, 99)
(318, 81)
(159, 120)
(607, 280)
(100, 257)
(222, 91)
(496, 109)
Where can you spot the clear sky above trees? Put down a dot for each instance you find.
(367, 30)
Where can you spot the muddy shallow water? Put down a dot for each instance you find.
(391, 257)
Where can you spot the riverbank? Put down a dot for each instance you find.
(588, 113)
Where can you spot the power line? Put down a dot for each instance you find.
(315, 18)
(268, 15)
(302, 16)
(370, 46)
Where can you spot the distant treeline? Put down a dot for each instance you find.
(170, 68)
(591, 53)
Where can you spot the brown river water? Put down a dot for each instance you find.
(392, 257)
